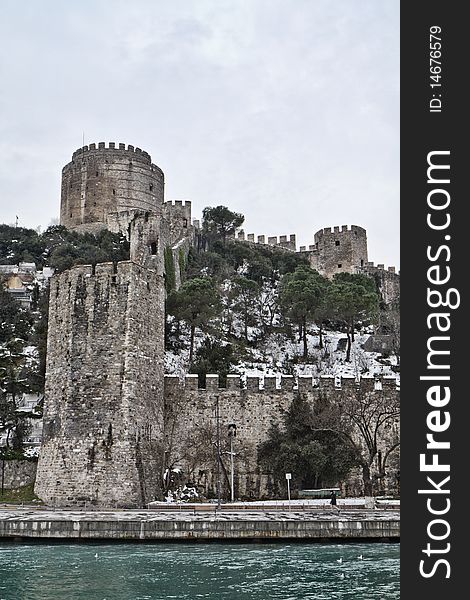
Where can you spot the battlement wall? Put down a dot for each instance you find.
(338, 230)
(282, 241)
(136, 153)
(254, 406)
(279, 384)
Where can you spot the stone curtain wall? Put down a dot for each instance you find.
(388, 281)
(18, 473)
(103, 416)
(103, 180)
(190, 424)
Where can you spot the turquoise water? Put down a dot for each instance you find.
(193, 571)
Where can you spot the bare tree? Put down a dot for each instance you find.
(368, 420)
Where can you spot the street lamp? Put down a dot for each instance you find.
(232, 432)
(217, 417)
(288, 478)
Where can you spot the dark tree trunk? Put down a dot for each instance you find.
(367, 479)
(320, 333)
(352, 329)
(191, 344)
(348, 347)
(304, 336)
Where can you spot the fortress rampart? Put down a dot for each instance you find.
(112, 421)
(282, 241)
(254, 406)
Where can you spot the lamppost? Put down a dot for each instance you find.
(3, 451)
(217, 417)
(232, 432)
(288, 478)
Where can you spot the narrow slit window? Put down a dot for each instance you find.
(153, 248)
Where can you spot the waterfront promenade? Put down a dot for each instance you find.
(311, 523)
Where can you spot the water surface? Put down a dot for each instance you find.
(193, 571)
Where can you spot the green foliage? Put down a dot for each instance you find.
(219, 222)
(196, 302)
(59, 247)
(350, 298)
(15, 321)
(15, 380)
(243, 298)
(315, 459)
(182, 260)
(20, 495)
(170, 273)
(302, 298)
(213, 357)
(18, 244)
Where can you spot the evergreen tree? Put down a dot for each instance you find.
(302, 296)
(196, 302)
(218, 223)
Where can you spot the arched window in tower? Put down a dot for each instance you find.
(185, 223)
(337, 242)
(153, 248)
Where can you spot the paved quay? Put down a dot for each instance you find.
(161, 525)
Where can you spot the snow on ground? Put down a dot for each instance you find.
(279, 355)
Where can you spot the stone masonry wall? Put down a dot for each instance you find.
(388, 281)
(103, 420)
(339, 250)
(103, 180)
(18, 473)
(190, 423)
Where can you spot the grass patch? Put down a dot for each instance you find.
(20, 495)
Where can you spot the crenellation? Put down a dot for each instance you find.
(305, 383)
(105, 269)
(269, 384)
(367, 384)
(234, 382)
(212, 382)
(327, 383)
(287, 383)
(284, 242)
(191, 381)
(252, 383)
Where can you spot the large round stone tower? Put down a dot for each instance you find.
(101, 181)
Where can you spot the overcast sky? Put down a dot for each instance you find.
(284, 110)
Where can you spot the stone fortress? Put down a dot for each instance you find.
(113, 421)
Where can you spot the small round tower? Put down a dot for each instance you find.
(340, 250)
(102, 180)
